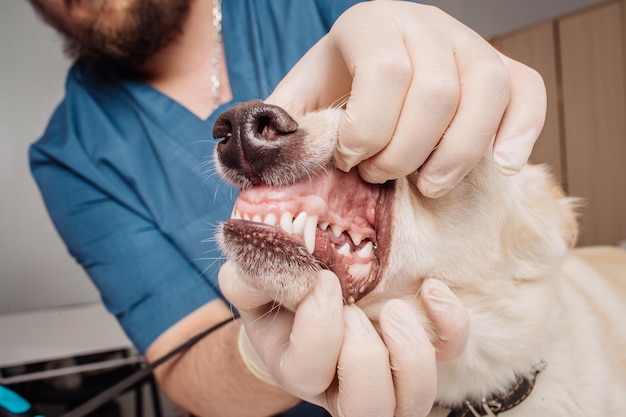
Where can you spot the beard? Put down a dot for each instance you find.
(128, 38)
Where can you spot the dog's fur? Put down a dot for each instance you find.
(503, 244)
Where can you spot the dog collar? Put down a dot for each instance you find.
(498, 403)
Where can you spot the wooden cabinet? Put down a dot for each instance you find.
(582, 59)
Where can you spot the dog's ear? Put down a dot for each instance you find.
(543, 226)
(569, 212)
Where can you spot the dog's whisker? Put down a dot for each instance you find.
(340, 102)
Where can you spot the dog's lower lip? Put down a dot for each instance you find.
(357, 275)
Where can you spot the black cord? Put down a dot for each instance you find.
(139, 376)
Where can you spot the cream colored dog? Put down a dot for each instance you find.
(541, 313)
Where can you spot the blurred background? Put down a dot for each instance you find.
(577, 45)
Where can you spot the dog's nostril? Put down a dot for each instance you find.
(270, 122)
(222, 129)
(264, 127)
(267, 129)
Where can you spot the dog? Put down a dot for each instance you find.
(547, 322)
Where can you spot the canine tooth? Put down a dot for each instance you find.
(345, 250)
(367, 251)
(257, 219)
(310, 228)
(235, 215)
(286, 222)
(299, 222)
(271, 219)
(337, 230)
(324, 225)
(356, 238)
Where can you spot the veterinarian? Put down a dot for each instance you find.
(124, 169)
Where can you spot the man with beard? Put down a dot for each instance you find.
(124, 169)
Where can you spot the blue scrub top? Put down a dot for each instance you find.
(127, 176)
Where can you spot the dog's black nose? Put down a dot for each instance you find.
(254, 135)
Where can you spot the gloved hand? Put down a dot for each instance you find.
(422, 91)
(331, 355)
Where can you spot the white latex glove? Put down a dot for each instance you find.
(423, 91)
(331, 355)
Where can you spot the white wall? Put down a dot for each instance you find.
(35, 269)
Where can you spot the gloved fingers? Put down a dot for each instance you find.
(374, 51)
(448, 317)
(410, 69)
(362, 60)
(251, 358)
(428, 108)
(484, 84)
(318, 80)
(365, 385)
(299, 350)
(308, 357)
(412, 358)
(523, 119)
(237, 291)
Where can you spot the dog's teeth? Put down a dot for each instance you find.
(356, 238)
(286, 222)
(257, 218)
(299, 222)
(345, 250)
(367, 251)
(246, 216)
(337, 230)
(235, 215)
(310, 228)
(271, 219)
(323, 226)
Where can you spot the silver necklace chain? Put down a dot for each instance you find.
(217, 53)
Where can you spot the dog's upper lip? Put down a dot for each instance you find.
(332, 196)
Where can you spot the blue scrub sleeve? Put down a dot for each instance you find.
(144, 280)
